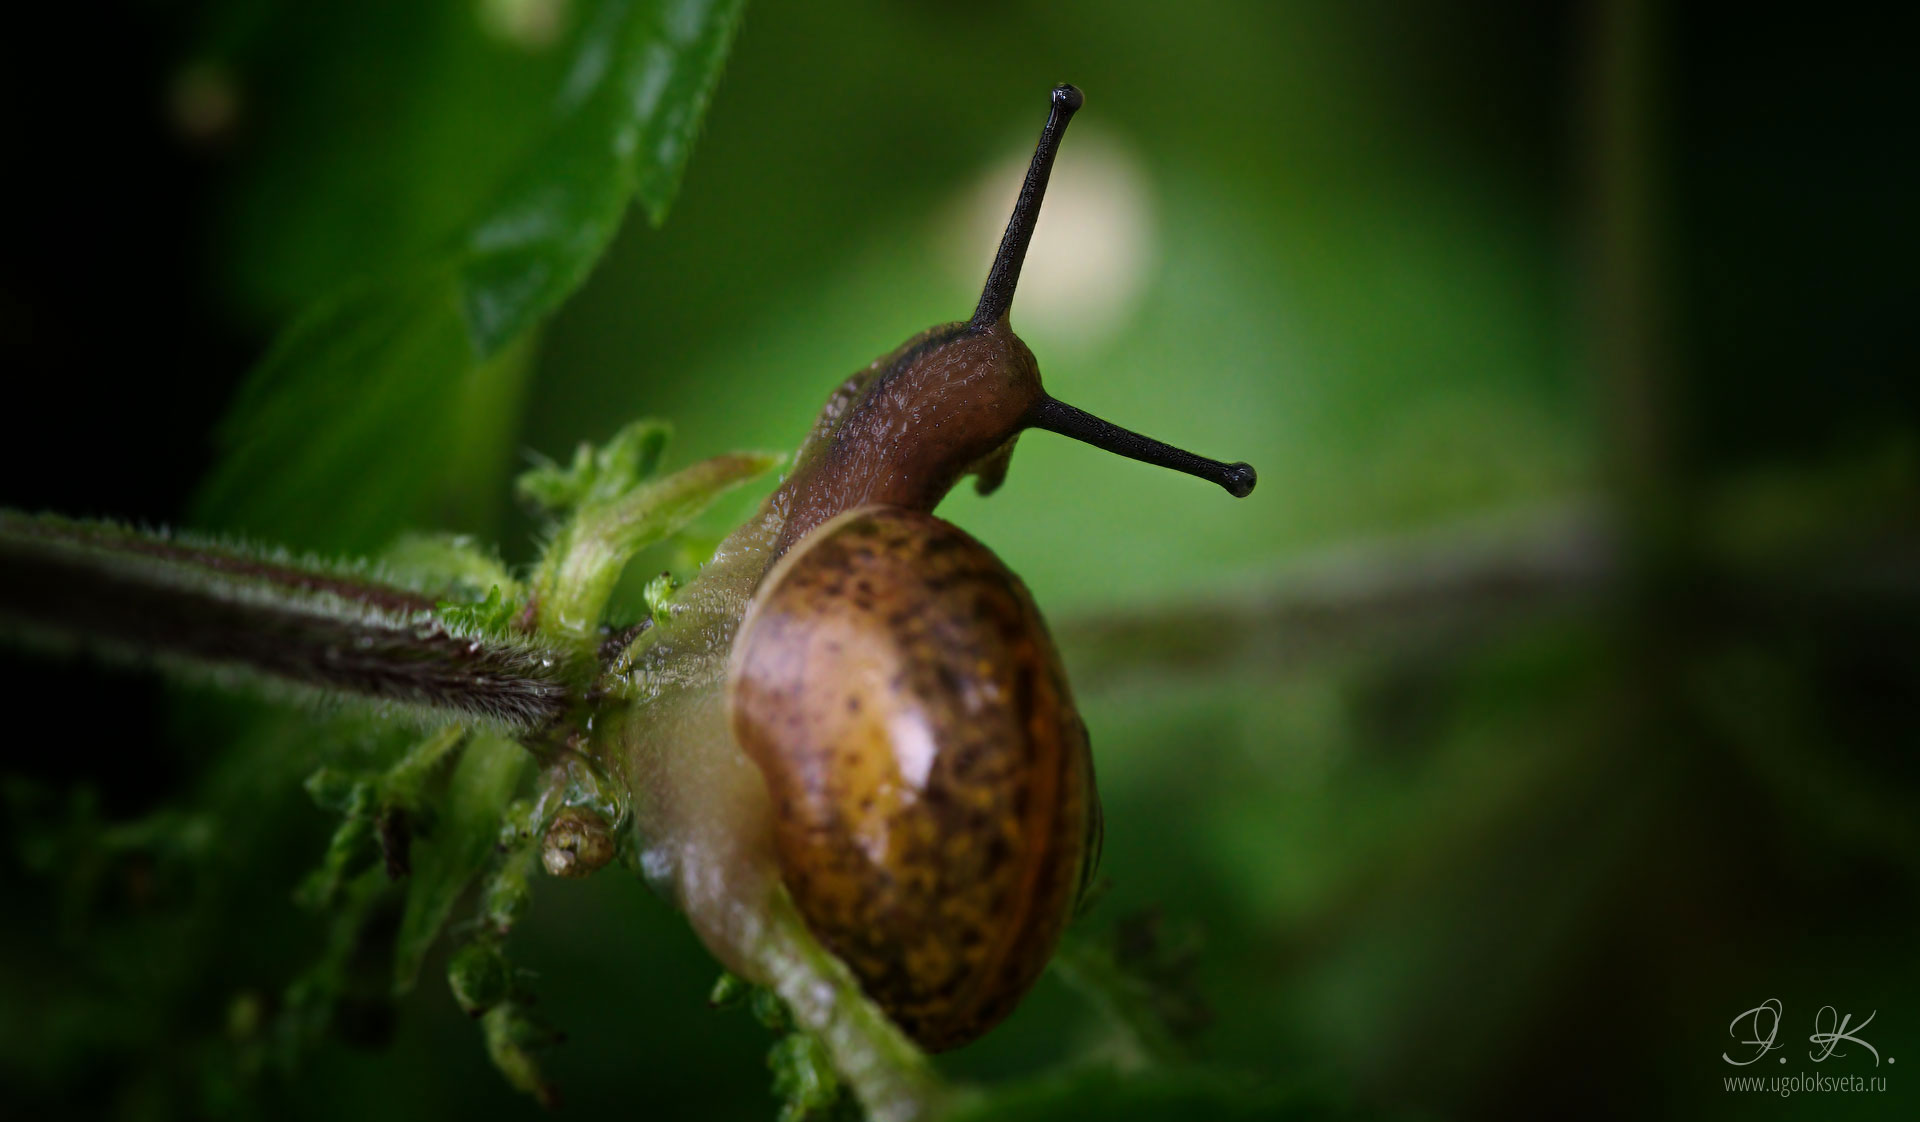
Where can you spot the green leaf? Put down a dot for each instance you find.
(803, 1079)
(729, 990)
(658, 596)
(597, 474)
(1141, 978)
(307, 1006)
(493, 615)
(370, 415)
(404, 786)
(479, 976)
(512, 1038)
(461, 846)
(578, 573)
(631, 102)
(391, 403)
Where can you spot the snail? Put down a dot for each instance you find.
(857, 704)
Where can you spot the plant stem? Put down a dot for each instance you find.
(211, 607)
(893, 1079)
(1390, 595)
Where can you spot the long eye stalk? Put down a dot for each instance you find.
(1058, 416)
(997, 297)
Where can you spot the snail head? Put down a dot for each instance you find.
(952, 401)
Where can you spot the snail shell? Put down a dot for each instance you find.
(934, 809)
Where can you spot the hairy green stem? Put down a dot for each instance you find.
(200, 605)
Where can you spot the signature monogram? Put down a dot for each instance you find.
(1830, 1030)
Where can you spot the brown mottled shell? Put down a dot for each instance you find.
(932, 790)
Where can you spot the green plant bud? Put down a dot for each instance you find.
(631, 456)
(729, 990)
(519, 823)
(597, 474)
(802, 1076)
(769, 1010)
(317, 890)
(480, 977)
(334, 789)
(658, 594)
(511, 1037)
(507, 897)
(493, 615)
(552, 488)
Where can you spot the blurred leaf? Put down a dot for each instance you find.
(480, 977)
(460, 847)
(457, 567)
(512, 1038)
(386, 403)
(312, 999)
(372, 134)
(805, 1082)
(1142, 979)
(636, 91)
(370, 414)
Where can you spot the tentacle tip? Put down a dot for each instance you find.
(1067, 97)
(1239, 480)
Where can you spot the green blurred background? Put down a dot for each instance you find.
(1552, 701)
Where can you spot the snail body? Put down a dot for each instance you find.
(857, 707)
